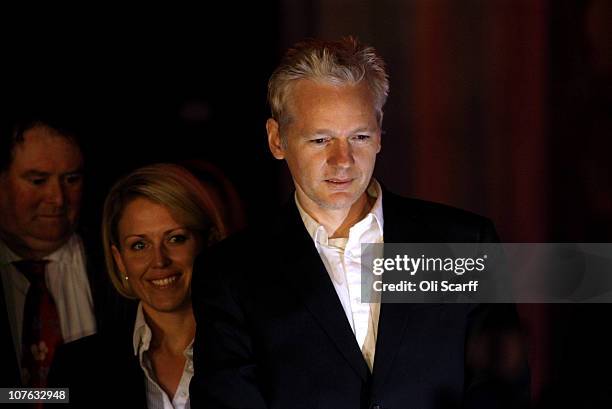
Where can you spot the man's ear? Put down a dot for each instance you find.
(274, 139)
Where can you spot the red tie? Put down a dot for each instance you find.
(41, 326)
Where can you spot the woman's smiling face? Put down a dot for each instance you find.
(156, 253)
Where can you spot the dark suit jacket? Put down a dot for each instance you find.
(101, 371)
(111, 311)
(271, 332)
(9, 374)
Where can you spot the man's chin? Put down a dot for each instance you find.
(338, 201)
(48, 243)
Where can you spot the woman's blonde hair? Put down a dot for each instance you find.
(172, 186)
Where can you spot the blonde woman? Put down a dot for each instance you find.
(155, 222)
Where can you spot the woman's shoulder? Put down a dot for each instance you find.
(75, 353)
(94, 346)
(81, 344)
(97, 364)
(93, 354)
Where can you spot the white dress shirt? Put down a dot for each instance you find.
(157, 398)
(342, 260)
(67, 281)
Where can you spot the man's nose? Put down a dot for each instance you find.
(341, 154)
(55, 193)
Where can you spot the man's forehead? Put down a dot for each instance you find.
(42, 150)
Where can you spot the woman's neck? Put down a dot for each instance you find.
(171, 332)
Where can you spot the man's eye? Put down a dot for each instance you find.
(362, 137)
(178, 238)
(138, 245)
(318, 141)
(74, 179)
(38, 181)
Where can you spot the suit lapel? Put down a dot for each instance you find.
(305, 273)
(121, 369)
(400, 226)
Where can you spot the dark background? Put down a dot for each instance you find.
(497, 106)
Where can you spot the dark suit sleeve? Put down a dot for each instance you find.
(225, 372)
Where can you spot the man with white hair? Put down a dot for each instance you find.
(280, 322)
